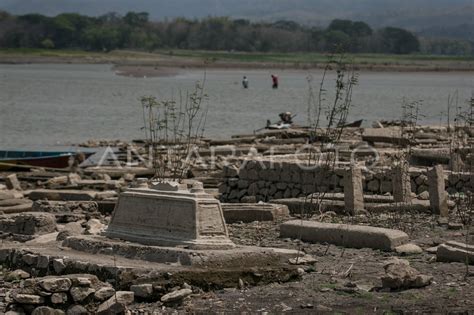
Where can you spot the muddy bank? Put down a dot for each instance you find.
(148, 64)
(144, 71)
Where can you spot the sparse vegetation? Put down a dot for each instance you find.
(172, 129)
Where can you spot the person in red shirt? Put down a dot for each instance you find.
(274, 81)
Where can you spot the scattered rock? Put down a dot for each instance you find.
(399, 275)
(116, 303)
(28, 223)
(77, 310)
(176, 295)
(104, 293)
(128, 177)
(17, 275)
(305, 260)
(81, 293)
(442, 221)
(432, 250)
(45, 310)
(75, 228)
(59, 298)
(28, 299)
(30, 259)
(94, 227)
(241, 284)
(112, 307)
(142, 290)
(73, 178)
(43, 262)
(63, 235)
(58, 265)
(55, 284)
(425, 195)
(408, 249)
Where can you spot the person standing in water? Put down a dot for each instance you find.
(245, 82)
(274, 81)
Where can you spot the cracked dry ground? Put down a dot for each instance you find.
(340, 279)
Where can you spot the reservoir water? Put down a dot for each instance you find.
(53, 105)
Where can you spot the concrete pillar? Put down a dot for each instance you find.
(438, 195)
(353, 190)
(401, 182)
(455, 162)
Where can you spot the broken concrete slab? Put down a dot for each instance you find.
(11, 181)
(367, 198)
(176, 295)
(267, 267)
(415, 205)
(455, 252)
(70, 195)
(10, 194)
(15, 205)
(238, 256)
(429, 157)
(355, 236)
(389, 135)
(247, 212)
(14, 202)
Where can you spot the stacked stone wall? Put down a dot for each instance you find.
(258, 181)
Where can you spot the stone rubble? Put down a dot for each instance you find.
(43, 212)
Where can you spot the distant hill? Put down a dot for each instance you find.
(436, 18)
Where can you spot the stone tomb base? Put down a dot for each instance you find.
(237, 257)
(170, 215)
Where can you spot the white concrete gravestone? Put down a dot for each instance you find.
(168, 214)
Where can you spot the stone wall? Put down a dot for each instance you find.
(257, 181)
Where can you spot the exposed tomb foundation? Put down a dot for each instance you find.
(170, 215)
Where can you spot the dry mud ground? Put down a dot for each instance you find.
(331, 285)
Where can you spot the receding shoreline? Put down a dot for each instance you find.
(165, 63)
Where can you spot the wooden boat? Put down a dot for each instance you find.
(12, 159)
(279, 125)
(355, 124)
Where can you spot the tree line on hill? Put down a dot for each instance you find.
(134, 30)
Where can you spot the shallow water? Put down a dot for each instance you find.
(46, 106)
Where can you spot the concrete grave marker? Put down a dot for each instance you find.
(401, 182)
(168, 214)
(353, 190)
(438, 195)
